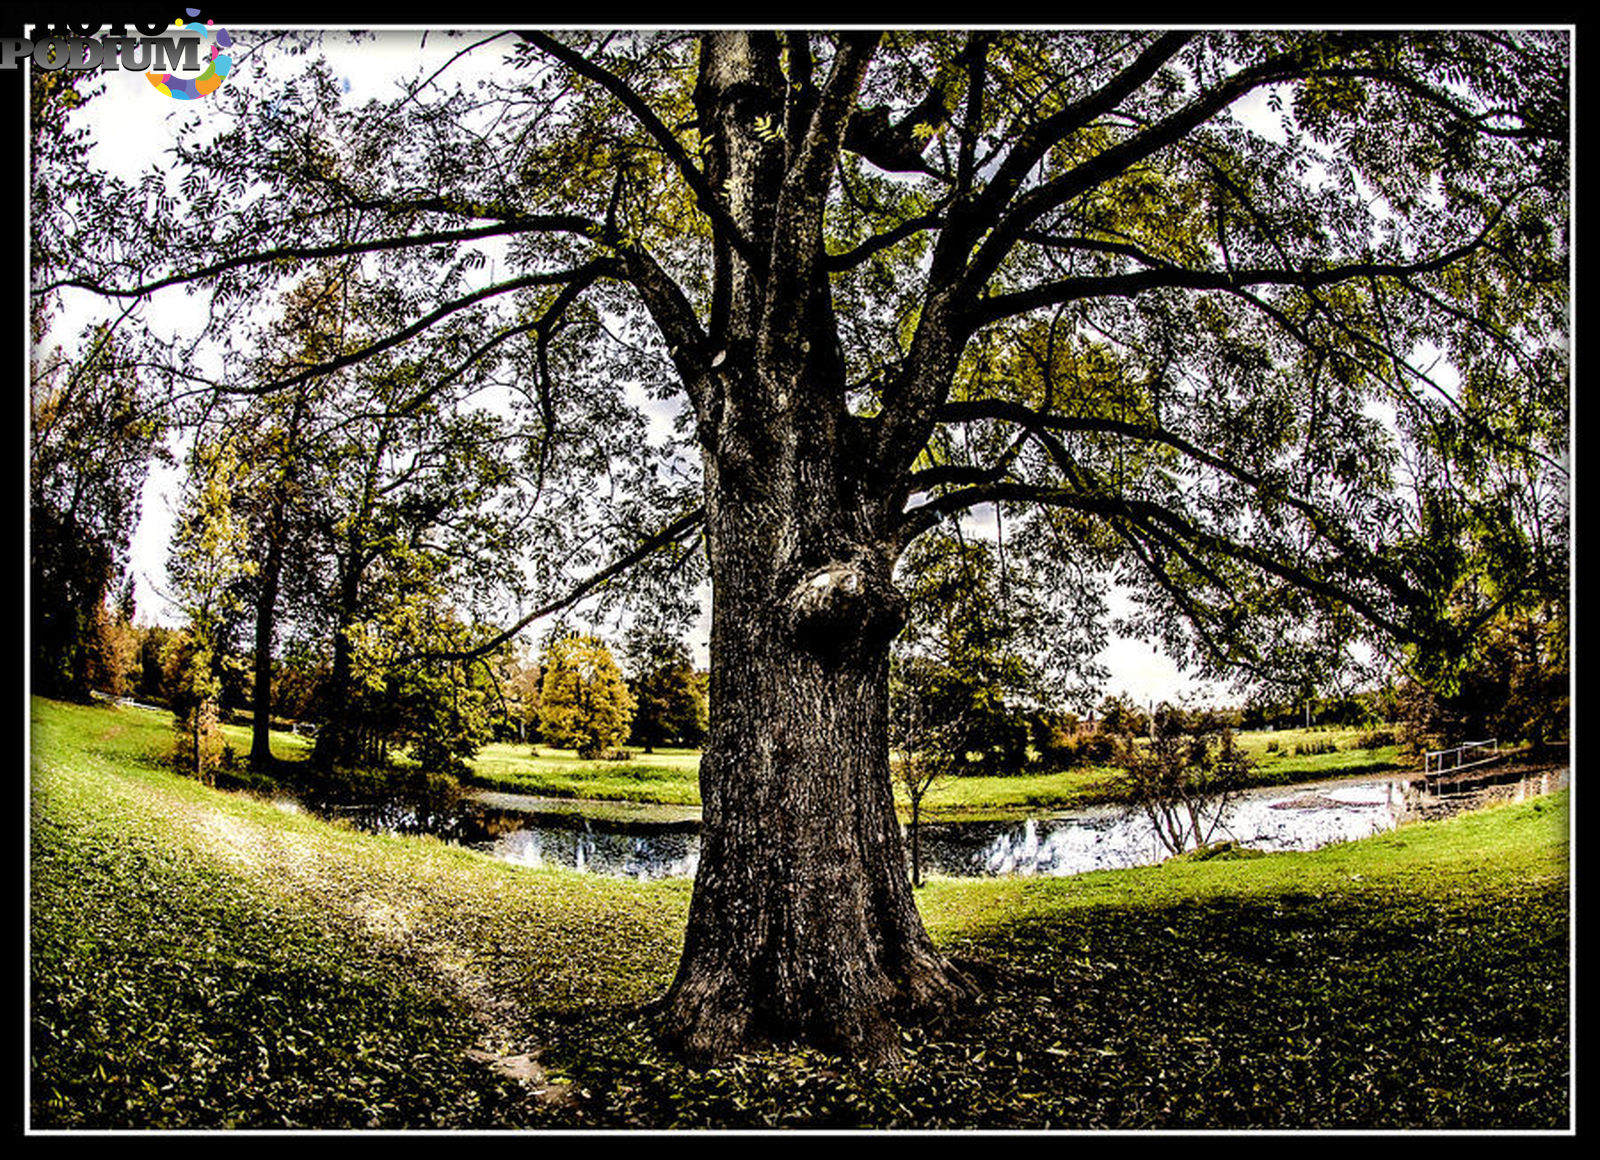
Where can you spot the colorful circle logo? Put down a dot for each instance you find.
(193, 88)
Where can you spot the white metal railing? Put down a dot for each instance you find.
(1441, 761)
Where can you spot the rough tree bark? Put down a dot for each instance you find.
(803, 925)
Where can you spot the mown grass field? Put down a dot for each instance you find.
(203, 959)
(669, 776)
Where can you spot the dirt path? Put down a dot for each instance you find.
(389, 909)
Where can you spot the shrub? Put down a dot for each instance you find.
(1315, 748)
(1183, 779)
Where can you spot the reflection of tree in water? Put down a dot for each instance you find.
(1293, 818)
(664, 855)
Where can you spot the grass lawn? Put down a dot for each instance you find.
(1282, 765)
(204, 959)
(667, 776)
(670, 776)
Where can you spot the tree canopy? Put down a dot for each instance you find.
(1269, 326)
(585, 704)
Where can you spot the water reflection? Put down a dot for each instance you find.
(1294, 818)
(1302, 818)
(632, 855)
(631, 849)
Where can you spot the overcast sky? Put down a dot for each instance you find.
(129, 129)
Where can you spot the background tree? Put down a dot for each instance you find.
(1120, 716)
(669, 695)
(928, 737)
(410, 505)
(441, 711)
(1492, 540)
(897, 277)
(208, 554)
(93, 427)
(585, 704)
(285, 432)
(991, 646)
(1183, 777)
(520, 682)
(93, 431)
(150, 684)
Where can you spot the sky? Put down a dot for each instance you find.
(128, 129)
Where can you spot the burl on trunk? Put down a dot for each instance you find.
(803, 924)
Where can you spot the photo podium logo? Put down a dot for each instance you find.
(185, 61)
(184, 88)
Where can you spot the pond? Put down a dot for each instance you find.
(662, 842)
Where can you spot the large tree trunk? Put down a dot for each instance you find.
(803, 924)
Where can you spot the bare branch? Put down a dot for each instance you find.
(673, 532)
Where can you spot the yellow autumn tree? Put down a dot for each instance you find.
(209, 554)
(584, 703)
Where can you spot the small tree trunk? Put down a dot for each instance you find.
(261, 692)
(916, 833)
(338, 740)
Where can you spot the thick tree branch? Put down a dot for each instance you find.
(674, 316)
(849, 259)
(976, 59)
(949, 316)
(1134, 282)
(672, 533)
(705, 197)
(1010, 226)
(1324, 525)
(547, 223)
(801, 99)
(585, 274)
(898, 147)
(797, 249)
(920, 518)
(1037, 141)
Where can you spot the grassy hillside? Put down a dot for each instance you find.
(204, 959)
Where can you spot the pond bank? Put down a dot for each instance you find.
(646, 840)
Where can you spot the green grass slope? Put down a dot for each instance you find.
(202, 959)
